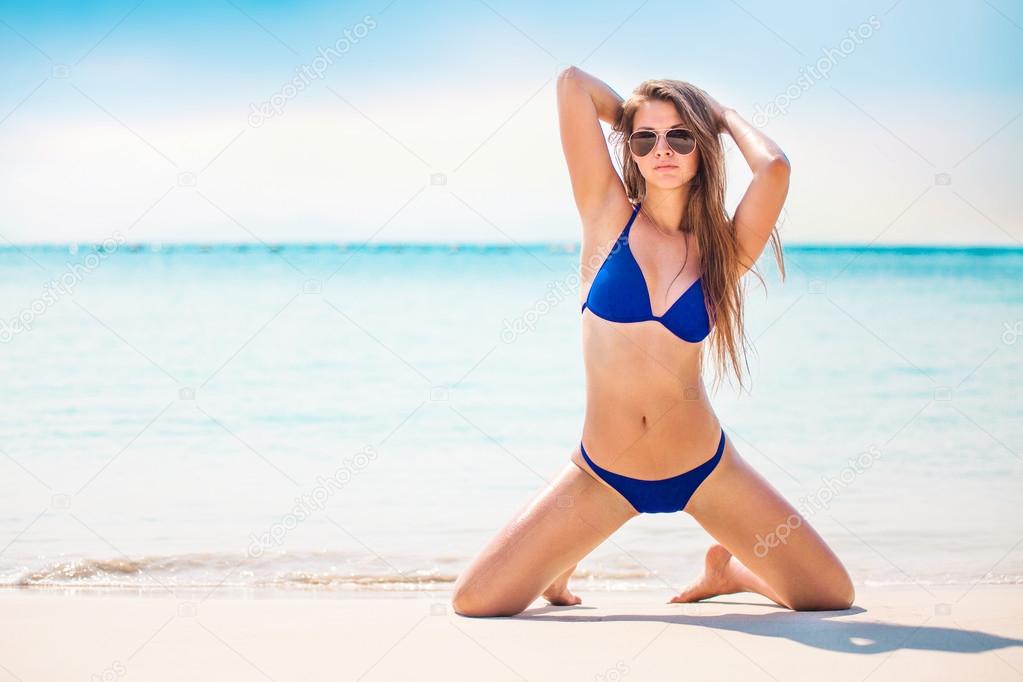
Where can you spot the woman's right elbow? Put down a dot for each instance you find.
(567, 76)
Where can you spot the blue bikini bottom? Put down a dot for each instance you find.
(661, 495)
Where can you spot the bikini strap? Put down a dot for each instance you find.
(635, 212)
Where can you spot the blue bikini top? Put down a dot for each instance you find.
(619, 294)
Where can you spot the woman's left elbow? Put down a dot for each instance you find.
(778, 164)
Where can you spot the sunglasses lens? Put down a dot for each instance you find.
(682, 141)
(642, 142)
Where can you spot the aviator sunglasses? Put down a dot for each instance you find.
(681, 140)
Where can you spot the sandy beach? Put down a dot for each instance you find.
(304, 308)
(948, 633)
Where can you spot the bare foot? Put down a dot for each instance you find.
(716, 579)
(558, 595)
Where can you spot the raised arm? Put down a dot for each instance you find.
(584, 101)
(758, 211)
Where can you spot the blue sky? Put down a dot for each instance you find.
(137, 117)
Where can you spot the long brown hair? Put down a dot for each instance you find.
(705, 215)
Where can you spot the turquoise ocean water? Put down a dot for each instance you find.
(331, 418)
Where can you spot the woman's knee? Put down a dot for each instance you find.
(464, 597)
(476, 603)
(836, 595)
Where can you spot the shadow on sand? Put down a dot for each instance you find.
(820, 629)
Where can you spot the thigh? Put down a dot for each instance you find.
(746, 514)
(560, 525)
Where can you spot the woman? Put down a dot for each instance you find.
(655, 291)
